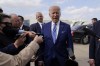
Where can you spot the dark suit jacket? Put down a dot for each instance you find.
(35, 27)
(7, 40)
(6, 45)
(60, 47)
(94, 48)
(26, 28)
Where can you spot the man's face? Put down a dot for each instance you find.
(21, 21)
(54, 13)
(5, 22)
(15, 22)
(39, 17)
(93, 21)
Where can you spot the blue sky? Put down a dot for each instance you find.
(70, 9)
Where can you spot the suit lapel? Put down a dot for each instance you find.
(49, 31)
(22, 27)
(38, 27)
(60, 31)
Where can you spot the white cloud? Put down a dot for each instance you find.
(59, 1)
(82, 10)
(20, 3)
(71, 13)
(81, 13)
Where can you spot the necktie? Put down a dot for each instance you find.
(54, 33)
(41, 25)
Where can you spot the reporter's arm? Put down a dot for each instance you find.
(6, 59)
(10, 49)
(22, 58)
(26, 54)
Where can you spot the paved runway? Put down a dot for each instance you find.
(81, 52)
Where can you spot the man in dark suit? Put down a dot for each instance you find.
(57, 38)
(36, 27)
(94, 48)
(94, 20)
(23, 27)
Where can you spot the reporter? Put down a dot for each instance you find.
(24, 56)
(7, 44)
(94, 46)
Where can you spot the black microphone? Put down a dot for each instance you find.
(90, 32)
(39, 34)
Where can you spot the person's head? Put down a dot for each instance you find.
(21, 19)
(94, 20)
(5, 20)
(39, 17)
(15, 21)
(54, 13)
(1, 11)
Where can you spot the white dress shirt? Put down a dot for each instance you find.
(21, 30)
(40, 24)
(21, 26)
(58, 25)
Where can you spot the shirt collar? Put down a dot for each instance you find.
(56, 23)
(21, 26)
(40, 23)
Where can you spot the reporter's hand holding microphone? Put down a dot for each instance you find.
(37, 38)
(31, 34)
(20, 40)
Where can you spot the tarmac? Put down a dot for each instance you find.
(82, 54)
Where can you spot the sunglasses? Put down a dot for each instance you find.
(6, 23)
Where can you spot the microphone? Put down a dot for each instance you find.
(90, 32)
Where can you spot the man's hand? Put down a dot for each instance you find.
(20, 40)
(98, 39)
(40, 63)
(30, 34)
(73, 57)
(38, 39)
(91, 62)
